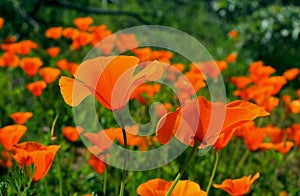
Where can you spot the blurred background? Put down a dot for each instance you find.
(268, 30)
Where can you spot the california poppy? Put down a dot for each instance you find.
(54, 32)
(126, 41)
(81, 39)
(231, 58)
(36, 88)
(49, 74)
(239, 186)
(71, 133)
(196, 125)
(25, 46)
(70, 32)
(31, 65)
(21, 117)
(1, 22)
(109, 79)
(83, 23)
(97, 164)
(99, 33)
(39, 155)
(6, 160)
(9, 59)
(241, 81)
(233, 33)
(282, 147)
(11, 135)
(291, 74)
(294, 133)
(53, 51)
(159, 187)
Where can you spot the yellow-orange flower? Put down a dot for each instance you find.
(291, 73)
(231, 58)
(31, 65)
(21, 117)
(239, 186)
(97, 164)
(36, 88)
(1, 22)
(49, 74)
(159, 187)
(11, 135)
(39, 155)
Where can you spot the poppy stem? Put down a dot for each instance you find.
(214, 171)
(124, 172)
(179, 175)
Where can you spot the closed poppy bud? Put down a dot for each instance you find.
(11, 135)
(21, 117)
(39, 155)
(231, 58)
(233, 33)
(49, 74)
(36, 88)
(71, 133)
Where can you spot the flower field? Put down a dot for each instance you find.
(245, 144)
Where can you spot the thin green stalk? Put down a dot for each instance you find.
(242, 160)
(124, 172)
(179, 175)
(105, 182)
(59, 176)
(213, 172)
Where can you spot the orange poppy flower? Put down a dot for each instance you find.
(39, 155)
(49, 74)
(97, 164)
(210, 68)
(252, 135)
(159, 187)
(70, 32)
(144, 54)
(145, 89)
(239, 186)
(81, 39)
(21, 117)
(241, 81)
(83, 23)
(110, 79)
(31, 65)
(9, 59)
(294, 133)
(36, 88)
(233, 33)
(236, 113)
(99, 33)
(126, 41)
(1, 22)
(53, 51)
(231, 58)
(107, 45)
(54, 32)
(25, 46)
(6, 160)
(71, 133)
(291, 73)
(276, 134)
(259, 71)
(11, 135)
(282, 147)
(162, 109)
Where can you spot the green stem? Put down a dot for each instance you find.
(182, 169)
(242, 160)
(59, 176)
(122, 186)
(105, 182)
(213, 172)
